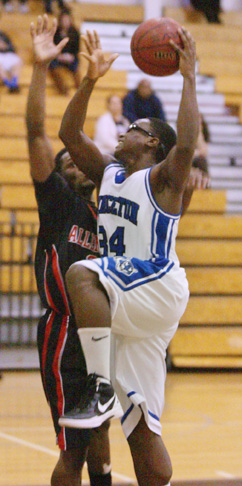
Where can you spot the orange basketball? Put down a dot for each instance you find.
(150, 48)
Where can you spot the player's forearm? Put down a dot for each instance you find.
(75, 114)
(188, 116)
(35, 112)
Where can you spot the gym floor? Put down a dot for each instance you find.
(202, 429)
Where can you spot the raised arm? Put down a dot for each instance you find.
(81, 148)
(169, 178)
(44, 50)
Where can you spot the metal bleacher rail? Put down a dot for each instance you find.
(20, 307)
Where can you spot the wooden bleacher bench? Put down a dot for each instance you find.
(208, 201)
(14, 125)
(217, 66)
(113, 80)
(108, 12)
(15, 149)
(209, 248)
(209, 252)
(16, 248)
(17, 278)
(20, 226)
(19, 216)
(208, 347)
(231, 18)
(214, 280)
(210, 226)
(15, 196)
(223, 49)
(17, 172)
(212, 310)
(231, 86)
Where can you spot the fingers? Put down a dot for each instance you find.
(42, 26)
(85, 55)
(39, 25)
(198, 179)
(54, 27)
(45, 23)
(112, 59)
(187, 41)
(97, 40)
(32, 30)
(186, 37)
(92, 41)
(62, 43)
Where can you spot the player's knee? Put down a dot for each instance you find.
(164, 477)
(65, 475)
(69, 467)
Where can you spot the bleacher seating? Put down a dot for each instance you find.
(209, 239)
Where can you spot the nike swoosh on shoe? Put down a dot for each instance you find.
(103, 408)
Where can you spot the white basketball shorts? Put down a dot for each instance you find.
(146, 303)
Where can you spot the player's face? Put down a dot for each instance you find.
(134, 139)
(75, 177)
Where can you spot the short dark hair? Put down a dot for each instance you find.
(58, 161)
(165, 134)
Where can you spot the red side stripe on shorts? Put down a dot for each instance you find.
(58, 378)
(58, 277)
(48, 328)
(47, 292)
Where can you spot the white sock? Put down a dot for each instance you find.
(95, 343)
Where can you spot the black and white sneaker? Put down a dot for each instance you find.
(98, 403)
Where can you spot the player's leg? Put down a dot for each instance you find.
(151, 460)
(68, 469)
(93, 319)
(140, 372)
(63, 372)
(98, 459)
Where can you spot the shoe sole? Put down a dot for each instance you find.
(93, 422)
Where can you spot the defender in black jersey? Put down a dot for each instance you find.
(67, 233)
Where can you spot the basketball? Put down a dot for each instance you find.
(150, 48)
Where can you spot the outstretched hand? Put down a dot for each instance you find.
(98, 65)
(198, 179)
(43, 40)
(187, 54)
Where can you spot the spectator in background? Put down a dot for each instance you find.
(10, 64)
(142, 102)
(210, 8)
(22, 6)
(110, 125)
(68, 58)
(48, 6)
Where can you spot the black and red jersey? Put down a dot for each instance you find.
(68, 233)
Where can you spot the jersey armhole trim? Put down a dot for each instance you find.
(153, 201)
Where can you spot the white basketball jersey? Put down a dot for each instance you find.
(138, 226)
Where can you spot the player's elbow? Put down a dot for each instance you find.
(64, 135)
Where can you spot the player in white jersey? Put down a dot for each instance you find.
(138, 286)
